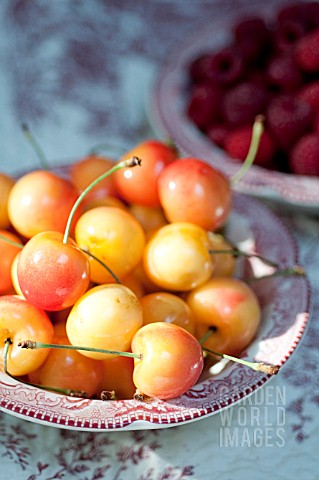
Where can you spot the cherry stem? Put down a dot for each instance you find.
(11, 242)
(209, 332)
(65, 391)
(129, 163)
(235, 252)
(285, 272)
(258, 128)
(29, 344)
(103, 264)
(36, 146)
(258, 366)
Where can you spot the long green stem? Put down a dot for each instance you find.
(285, 272)
(235, 252)
(261, 367)
(11, 242)
(34, 345)
(65, 391)
(129, 163)
(257, 131)
(36, 146)
(103, 264)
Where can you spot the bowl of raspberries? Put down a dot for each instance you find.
(256, 59)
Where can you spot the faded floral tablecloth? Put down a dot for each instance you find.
(78, 73)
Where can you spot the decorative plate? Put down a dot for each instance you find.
(166, 111)
(285, 306)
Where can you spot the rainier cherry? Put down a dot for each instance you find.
(140, 185)
(190, 190)
(19, 319)
(40, 201)
(167, 307)
(230, 308)
(115, 237)
(176, 257)
(171, 360)
(106, 317)
(51, 274)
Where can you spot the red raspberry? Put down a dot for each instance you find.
(253, 39)
(304, 156)
(310, 94)
(288, 118)
(305, 13)
(238, 141)
(226, 66)
(217, 133)
(283, 73)
(288, 33)
(243, 102)
(307, 52)
(204, 105)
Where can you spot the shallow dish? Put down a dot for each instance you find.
(167, 114)
(285, 306)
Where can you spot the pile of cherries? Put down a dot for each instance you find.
(119, 260)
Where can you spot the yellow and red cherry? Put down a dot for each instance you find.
(9, 248)
(191, 190)
(51, 274)
(117, 378)
(140, 185)
(115, 237)
(176, 257)
(167, 307)
(68, 370)
(170, 363)
(105, 317)
(20, 319)
(41, 201)
(85, 171)
(6, 184)
(230, 308)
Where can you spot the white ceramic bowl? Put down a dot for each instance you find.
(168, 118)
(285, 308)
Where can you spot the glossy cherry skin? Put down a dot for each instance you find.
(115, 237)
(139, 185)
(176, 257)
(105, 317)
(41, 201)
(231, 307)
(52, 275)
(190, 190)
(20, 320)
(171, 360)
(167, 307)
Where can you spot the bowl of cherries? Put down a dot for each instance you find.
(140, 293)
(256, 59)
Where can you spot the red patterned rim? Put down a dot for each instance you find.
(285, 304)
(167, 115)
